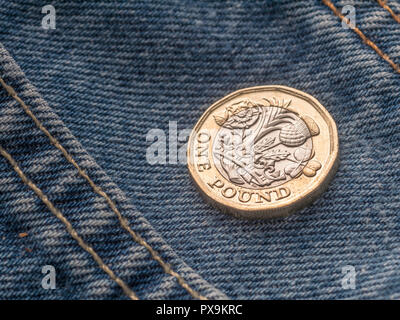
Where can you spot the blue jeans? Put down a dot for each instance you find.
(77, 102)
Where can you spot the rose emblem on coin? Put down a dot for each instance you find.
(263, 151)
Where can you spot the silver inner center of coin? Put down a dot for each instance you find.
(261, 146)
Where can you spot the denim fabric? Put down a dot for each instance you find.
(48, 243)
(111, 71)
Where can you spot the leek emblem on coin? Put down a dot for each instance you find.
(263, 152)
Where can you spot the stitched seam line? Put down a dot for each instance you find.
(97, 189)
(67, 224)
(385, 6)
(367, 41)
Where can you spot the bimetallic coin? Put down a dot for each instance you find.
(263, 152)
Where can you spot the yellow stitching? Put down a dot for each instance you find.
(385, 6)
(368, 42)
(123, 222)
(67, 224)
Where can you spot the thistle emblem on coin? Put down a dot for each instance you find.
(264, 144)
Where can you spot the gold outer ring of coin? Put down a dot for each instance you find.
(283, 169)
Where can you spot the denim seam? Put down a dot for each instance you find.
(97, 189)
(365, 39)
(385, 6)
(68, 225)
